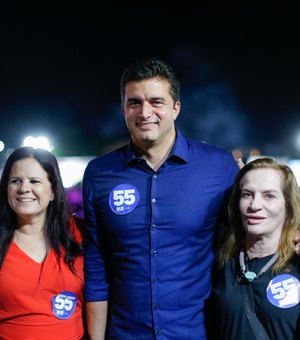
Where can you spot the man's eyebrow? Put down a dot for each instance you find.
(158, 98)
(133, 99)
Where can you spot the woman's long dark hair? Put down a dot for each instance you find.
(57, 224)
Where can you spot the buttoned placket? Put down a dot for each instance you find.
(155, 255)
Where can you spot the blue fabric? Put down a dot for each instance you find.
(154, 262)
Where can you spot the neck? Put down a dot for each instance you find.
(155, 154)
(33, 243)
(261, 247)
(31, 226)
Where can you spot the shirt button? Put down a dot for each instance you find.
(154, 176)
(153, 226)
(155, 279)
(153, 200)
(155, 252)
(158, 331)
(157, 306)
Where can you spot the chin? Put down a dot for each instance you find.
(147, 138)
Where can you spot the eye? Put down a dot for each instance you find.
(269, 196)
(157, 103)
(34, 181)
(245, 194)
(15, 181)
(133, 103)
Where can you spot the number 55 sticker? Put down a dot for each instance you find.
(63, 304)
(123, 199)
(284, 291)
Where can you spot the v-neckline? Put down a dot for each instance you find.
(28, 256)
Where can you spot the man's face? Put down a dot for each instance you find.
(150, 111)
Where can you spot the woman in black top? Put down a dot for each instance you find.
(256, 290)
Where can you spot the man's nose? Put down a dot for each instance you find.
(145, 110)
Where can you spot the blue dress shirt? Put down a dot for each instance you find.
(151, 238)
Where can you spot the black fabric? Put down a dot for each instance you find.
(226, 309)
(257, 327)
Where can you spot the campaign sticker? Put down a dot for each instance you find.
(123, 199)
(284, 291)
(63, 304)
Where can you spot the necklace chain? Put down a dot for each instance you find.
(250, 276)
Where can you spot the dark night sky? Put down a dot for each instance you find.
(239, 67)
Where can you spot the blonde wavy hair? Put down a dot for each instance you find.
(291, 193)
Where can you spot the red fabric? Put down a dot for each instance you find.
(26, 292)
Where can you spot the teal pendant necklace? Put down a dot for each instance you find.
(250, 276)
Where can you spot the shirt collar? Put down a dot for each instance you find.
(178, 153)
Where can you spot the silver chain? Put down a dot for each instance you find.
(268, 265)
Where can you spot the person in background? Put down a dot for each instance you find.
(256, 290)
(41, 256)
(74, 197)
(151, 210)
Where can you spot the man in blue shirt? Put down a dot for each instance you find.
(151, 211)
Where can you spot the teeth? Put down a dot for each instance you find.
(26, 199)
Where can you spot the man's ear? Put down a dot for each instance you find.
(176, 110)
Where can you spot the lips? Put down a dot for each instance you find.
(252, 219)
(25, 199)
(146, 124)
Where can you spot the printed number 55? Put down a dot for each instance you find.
(63, 303)
(124, 196)
(278, 289)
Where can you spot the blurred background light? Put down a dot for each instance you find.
(297, 141)
(1, 146)
(37, 142)
(294, 164)
(72, 169)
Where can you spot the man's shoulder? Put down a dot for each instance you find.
(108, 159)
(211, 158)
(207, 148)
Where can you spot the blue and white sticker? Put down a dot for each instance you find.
(123, 199)
(284, 291)
(63, 305)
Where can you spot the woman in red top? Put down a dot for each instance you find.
(41, 263)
